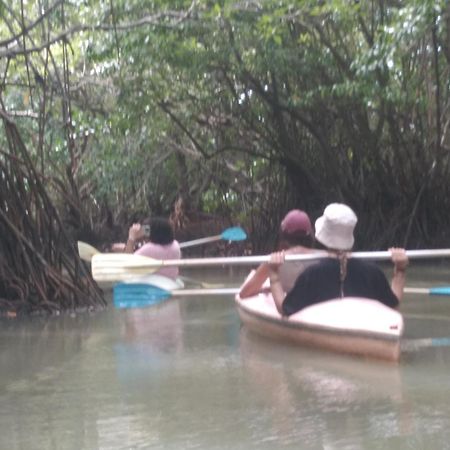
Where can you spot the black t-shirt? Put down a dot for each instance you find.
(321, 282)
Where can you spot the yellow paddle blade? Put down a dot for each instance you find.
(86, 251)
(122, 266)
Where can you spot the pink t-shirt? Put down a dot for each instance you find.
(157, 251)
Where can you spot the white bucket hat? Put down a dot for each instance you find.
(334, 228)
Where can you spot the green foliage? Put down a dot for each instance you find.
(202, 100)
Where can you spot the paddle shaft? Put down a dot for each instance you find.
(200, 241)
(438, 290)
(198, 292)
(258, 259)
(230, 234)
(233, 291)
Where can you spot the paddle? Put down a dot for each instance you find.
(138, 295)
(86, 251)
(122, 266)
(438, 290)
(417, 344)
(232, 234)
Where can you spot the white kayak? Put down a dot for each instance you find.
(357, 326)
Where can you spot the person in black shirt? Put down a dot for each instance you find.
(337, 276)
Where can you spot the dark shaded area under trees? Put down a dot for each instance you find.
(39, 266)
(215, 114)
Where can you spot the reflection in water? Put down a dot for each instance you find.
(36, 355)
(149, 340)
(31, 349)
(185, 375)
(317, 394)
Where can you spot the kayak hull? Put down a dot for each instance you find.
(351, 325)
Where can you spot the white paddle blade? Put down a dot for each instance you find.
(121, 266)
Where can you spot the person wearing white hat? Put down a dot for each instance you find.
(337, 276)
(295, 236)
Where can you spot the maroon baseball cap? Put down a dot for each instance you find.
(296, 221)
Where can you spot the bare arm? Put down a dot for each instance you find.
(253, 285)
(118, 247)
(134, 234)
(400, 261)
(276, 259)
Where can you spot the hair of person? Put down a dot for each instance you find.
(288, 240)
(342, 257)
(161, 231)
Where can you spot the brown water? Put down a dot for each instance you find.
(185, 375)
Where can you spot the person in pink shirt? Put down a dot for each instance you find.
(159, 243)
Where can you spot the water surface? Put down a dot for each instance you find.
(186, 375)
